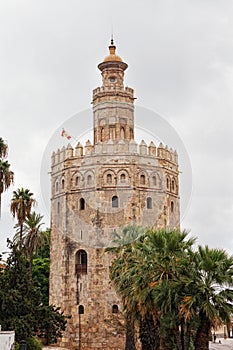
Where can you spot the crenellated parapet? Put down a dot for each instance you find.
(161, 152)
(101, 94)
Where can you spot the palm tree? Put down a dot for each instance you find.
(33, 237)
(124, 273)
(122, 249)
(21, 204)
(144, 274)
(167, 252)
(209, 292)
(3, 148)
(6, 176)
(163, 255)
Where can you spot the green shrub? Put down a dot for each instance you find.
(33, 344)
(16, 346)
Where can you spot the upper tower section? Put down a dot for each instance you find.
(112, 69)
(113, 104)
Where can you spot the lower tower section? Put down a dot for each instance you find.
(93, 194)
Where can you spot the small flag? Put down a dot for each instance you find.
(65, 134)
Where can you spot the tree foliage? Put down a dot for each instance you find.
(32, 238)
(21, 205)
(174, 292)
(21, 302)
(6, 175)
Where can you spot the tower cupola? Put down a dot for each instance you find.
(112, 68)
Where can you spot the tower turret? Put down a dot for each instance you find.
(113, 104)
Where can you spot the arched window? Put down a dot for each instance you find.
(63, 184)
(131, 134)
(122, 133)
(172, 206)
(109, 178)
(102, 135)
(142, 179)
(77, 181)
(149, 203)
(81, 262)
(56, 186)
(168, 184)
(115, 309)
(173, 185)
(122, 178)
(81, 310)
(89, 179)
(115, 202)
(81, 204)
(154, 182)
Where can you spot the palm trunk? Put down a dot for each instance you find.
(179, 335)
(21, 237)
(203, 331)
(187, 338)
(163, 344)
(130, 340)
(149, 333)
(30, 262)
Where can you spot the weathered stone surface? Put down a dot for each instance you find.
(95, 190)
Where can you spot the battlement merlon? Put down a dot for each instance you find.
(164, 154)
(104, 93)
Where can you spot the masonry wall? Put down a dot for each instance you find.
(96, 177)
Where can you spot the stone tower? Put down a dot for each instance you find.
(96, 189)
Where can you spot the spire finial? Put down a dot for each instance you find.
(112, 47)
(112, 41)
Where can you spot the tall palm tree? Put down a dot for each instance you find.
(3, 148)
(33, 237)
(21, 204)
(163, 253)
(123, 273)
(6, 177)
(209, 290)
(121, 249)
(144, 274)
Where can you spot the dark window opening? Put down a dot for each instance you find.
(63, 184)
(56, 186)
(109, 178)
(142, 179)
(115, 202)
(149, 203)
(102, 135)
(172, 206)
(123, 177)
(81, 262)
(173, 185)
(58, 207)
(77, 181)
(82, 204)
(89, 179)
(154, 180)
(168, 183)
(115, 309)
(81, 310)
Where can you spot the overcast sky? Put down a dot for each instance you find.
(180, 57)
